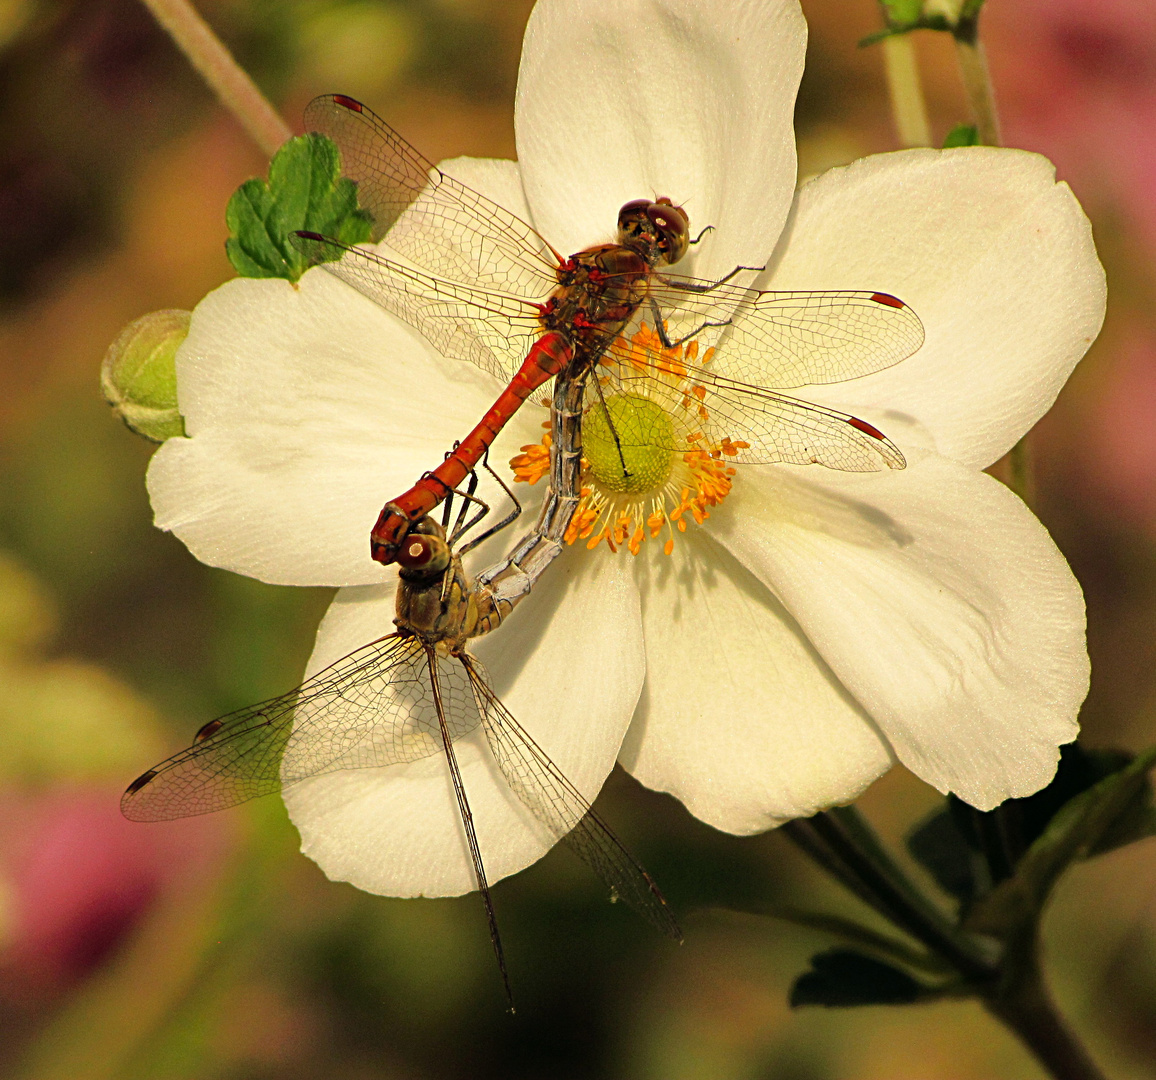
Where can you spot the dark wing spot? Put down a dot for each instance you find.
(210, 729)
(865, 427)
(140, 782)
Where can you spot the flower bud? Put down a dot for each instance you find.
(139, 377)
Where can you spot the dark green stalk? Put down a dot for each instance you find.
(920, 919)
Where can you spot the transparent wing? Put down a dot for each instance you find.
(487, 328)
(374, 707)
(467, 817)
(782, 340)
(445, 227)
(560, 807)
(742, 424)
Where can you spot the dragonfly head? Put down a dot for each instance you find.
(659, 231)
(424, 553)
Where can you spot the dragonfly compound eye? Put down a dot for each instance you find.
(635, 210)
(424, 554)
(672, 226)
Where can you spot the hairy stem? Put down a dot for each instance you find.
(1027, 1009)
(236, 91)
(977, 79)
(1015, 468)
(908, 109)
(911, 911)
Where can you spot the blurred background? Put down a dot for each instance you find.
(211, 948)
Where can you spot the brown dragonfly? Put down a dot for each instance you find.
(405, 696)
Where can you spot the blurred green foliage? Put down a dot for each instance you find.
(61, 719)
(115, 644)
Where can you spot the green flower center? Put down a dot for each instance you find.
(640, 459)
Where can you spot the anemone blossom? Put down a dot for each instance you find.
(815, 626)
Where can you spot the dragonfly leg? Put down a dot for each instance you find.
(660, 327)
(610, 424)
(467, 498)
(683, 285)
(468, 822)
(482, 511)
(697, 239)
(499, 526)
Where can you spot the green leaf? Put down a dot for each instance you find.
(840, 978)
(305, 190)
(942, 849)
(952, 844)
(1116, 807)
(1078, 770)
(961, 135)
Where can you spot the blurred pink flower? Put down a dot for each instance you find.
(78, 879)
(1077, 81)
(1122, 459)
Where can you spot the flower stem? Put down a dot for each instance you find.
(908, 109)
(1011, 988)
(976, 78)
(841, 851)
(216, 65)
(1015, 469)
(1027, 1009)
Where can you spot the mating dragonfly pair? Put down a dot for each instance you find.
(482, 285)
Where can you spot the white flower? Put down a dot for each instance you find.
(820, 625)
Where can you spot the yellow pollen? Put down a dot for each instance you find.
(649, 466)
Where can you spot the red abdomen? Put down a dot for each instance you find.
(550, 354)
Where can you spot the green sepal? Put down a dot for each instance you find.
(961, 135)
(841, 978)
(1115, 810)
(305, 190)
(924, 22)
(903, 16)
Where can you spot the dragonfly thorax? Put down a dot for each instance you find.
(434, 600)
(599, 290)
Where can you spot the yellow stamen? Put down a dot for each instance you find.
(649, 464)
(534, 461)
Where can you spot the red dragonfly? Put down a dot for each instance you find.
(482, 285)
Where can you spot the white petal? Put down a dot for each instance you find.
(568, 664)
(994, 256)
(740, 718)
(495, 178)
(661, 97)
(940, 602)
(308, 408)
